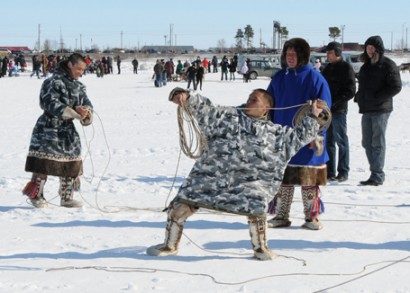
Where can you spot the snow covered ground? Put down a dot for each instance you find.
(131, 162)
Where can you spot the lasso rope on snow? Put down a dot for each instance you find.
(156, 270)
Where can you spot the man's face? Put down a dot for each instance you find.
(331, 56)
(256, 105)
(370, 50)
(179, 98)
(291, 58)
(77, 70)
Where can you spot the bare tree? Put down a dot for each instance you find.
(47, 46)
(221, 45)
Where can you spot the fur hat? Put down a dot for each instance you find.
(302, 49)
(176, 91)
(336, 46)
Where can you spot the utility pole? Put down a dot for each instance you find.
(61, 41)
(121, 40)
(81, 42)
(402, 37)
(391, 42)
(38, 40)
(343, 35)
(171, 32)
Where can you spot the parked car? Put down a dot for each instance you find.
(321, 56)
(17, 52)
(353, 57)
(261, 68)
(4, 52)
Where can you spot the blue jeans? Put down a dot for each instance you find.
(158, 80)
(164, 78)
(374, 127)
(337, 135)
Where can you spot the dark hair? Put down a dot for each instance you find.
(266, 96)
(301, 48)
(336, 47)
(76, 58)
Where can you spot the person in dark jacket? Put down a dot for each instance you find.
(135, 65)
(55, 146)
(224, 68)
(232, 69)
(191, 75)
(4, 66)
(215, 64)
(379, 81)
(119, 64)
(342, 83)
(158, 69)
(36, 66)
(200, 75)
(169, 69)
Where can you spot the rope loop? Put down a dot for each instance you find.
(195, 143)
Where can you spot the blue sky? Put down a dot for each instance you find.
(198, 23)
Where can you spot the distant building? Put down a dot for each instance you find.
(352, 47)
(346, 47)
(17, 49)
(168, 49)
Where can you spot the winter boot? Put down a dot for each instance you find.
(177, 215)
(257, 230)
(34, 190)
(312, 207)
(280, 206)
(66, 192)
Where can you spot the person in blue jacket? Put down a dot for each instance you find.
(295, 84)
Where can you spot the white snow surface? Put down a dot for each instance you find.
(132, 170)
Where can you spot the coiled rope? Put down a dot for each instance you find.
(193, 144)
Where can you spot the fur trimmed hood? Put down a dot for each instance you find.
(375, 41)
(302, 49)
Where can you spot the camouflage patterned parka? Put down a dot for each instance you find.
(245, 163)
(55, 147)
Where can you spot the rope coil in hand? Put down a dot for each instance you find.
(324, 119)
(194, 144)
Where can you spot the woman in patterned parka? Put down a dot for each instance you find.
(245, 161)
(55, 147)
